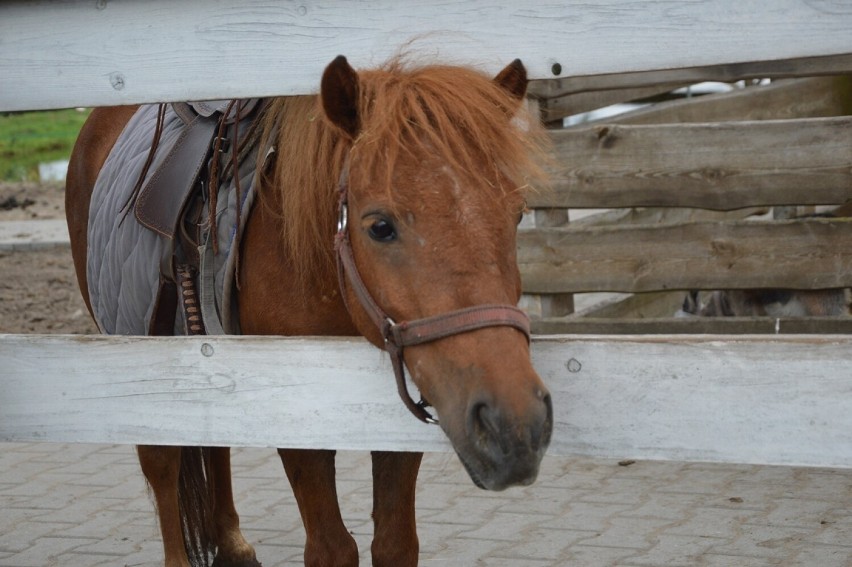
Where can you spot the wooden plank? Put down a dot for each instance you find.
(798, 98)
(723, 72)
(554, 305)
(720, 166)
(641, 215)
(776, 400)
(693, 326)
(635, 306)
(550, 305)
(558, 108)
(216, 391)
(812, 97)
(795, 254)
(64, 53)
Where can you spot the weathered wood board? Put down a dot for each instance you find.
(719, 166)
(670, 325)
(750, 399)
(65, 53)
(557, 108)
(795, 98)
(722, 72)
(795, 254)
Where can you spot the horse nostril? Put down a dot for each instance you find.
(541, 437)
(485, 421)
(500, 435)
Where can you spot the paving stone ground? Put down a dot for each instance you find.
(87, 506)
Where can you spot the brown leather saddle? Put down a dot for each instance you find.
(174, 200)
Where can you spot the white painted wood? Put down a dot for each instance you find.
(33, 234)
(63, 53)
(774, 400)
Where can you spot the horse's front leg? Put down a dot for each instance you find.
(161, 467)
(232, 550)
(395, 540)
(311, 474)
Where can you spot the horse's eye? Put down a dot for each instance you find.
(382, 230)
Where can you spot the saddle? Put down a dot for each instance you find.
(178, 202)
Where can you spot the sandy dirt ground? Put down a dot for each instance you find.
(38, 289)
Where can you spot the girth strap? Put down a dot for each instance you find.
(207, 293)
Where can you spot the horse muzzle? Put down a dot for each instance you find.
(500, 448)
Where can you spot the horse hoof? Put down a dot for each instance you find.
(224, 562)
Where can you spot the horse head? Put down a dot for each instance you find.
(434, 189)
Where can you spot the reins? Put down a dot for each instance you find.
(397, 336)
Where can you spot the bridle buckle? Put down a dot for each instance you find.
(428, 418)
(342, 218)
(387, 330)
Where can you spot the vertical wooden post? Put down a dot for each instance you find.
(556, 304)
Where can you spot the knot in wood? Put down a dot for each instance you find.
(721, 247)
(607, 136)
(713, 174)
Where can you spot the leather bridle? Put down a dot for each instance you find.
(397, 336)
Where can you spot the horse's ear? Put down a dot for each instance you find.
(513, 79)
(339, 92)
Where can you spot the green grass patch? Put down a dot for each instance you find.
(30, 138)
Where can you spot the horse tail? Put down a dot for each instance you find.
(195, 497)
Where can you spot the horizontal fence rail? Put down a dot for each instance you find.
(773, 400)
(811, 97)
(64, 53)
(795, 254)
(586, 325)
(719, 166)
(721, 72)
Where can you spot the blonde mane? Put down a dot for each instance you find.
(457, 114)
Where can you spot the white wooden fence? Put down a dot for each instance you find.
(780, 400)
(759, 399)
(57, 54)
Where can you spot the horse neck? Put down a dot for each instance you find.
(274, 297)
(287, 274)
(302, 186)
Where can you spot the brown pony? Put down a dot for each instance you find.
(435, 166)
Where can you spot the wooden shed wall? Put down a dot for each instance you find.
(679, 178)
